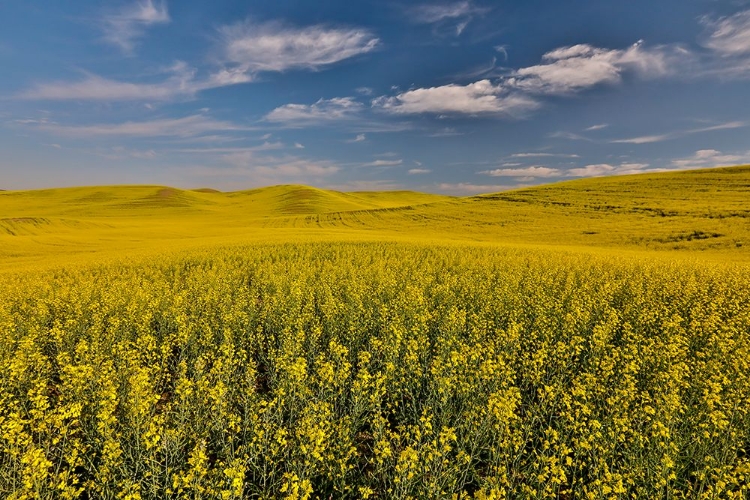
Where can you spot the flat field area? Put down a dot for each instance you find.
(586, 339)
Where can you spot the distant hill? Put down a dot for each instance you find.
(703, 211)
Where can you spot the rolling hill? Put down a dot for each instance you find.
(699, 210)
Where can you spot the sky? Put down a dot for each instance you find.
(458, 97)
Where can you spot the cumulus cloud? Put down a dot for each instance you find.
(123, 28)
(571, 69)
(709, 158)
(562, 71)
(535, 171)
(481, 97)
(324, 110)
(251, 48)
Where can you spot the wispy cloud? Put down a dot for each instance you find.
(358, 138)
(188, 126)
(446, 132)
(468, 188)
(596, 127)
(366, 185)
(251, 48)
(251, 167)
(266, 146)
(456, 15)
(324, 110)
(282, 168)
(648, 139)
(729, 39)
(124, 27)
(418, 171)
(644, 139)
(481, 97)
(181, 82)
(536, 171)
(571, 136)
(730, 35)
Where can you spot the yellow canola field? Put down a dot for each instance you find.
(376, 370)
(428, 347)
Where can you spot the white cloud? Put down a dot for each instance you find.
(709, 158)
(297, 145)
(535, 171)
(644, 139)
(729, 39)
(565, 70)
(602, 169)
(596, 127)
(248, 49)
(383, 163)
(481, 97)
(544, 155)
(188, 126)
(124, 27)
(571, 69)
(592, 170)
(253, 48)
(731, 35)
(324, 110)
(648, 139)
(358, 138)
(418, 171)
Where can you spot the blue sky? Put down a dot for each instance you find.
(453, 97)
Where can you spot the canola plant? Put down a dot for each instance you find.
(376, 370)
